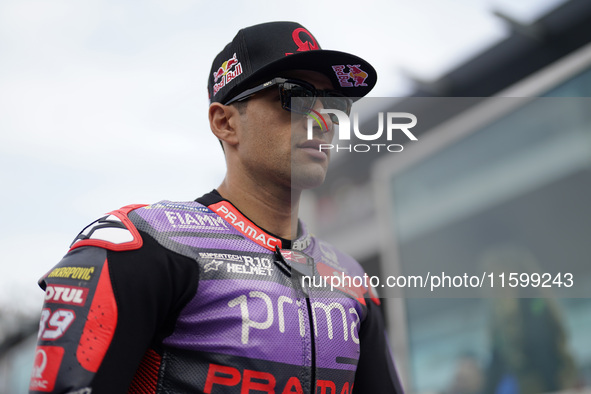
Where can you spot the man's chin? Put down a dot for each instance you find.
(308, 178)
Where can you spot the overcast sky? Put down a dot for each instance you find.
(103, 103)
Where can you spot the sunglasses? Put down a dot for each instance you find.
(306, 95)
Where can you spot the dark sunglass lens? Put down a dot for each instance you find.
(340, 103)
(299, 98)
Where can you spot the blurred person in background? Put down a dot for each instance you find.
(529, 344)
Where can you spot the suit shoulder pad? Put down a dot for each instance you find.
(114, 231)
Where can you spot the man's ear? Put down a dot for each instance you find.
(223, 121)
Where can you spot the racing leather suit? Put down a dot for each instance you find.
(193, 297)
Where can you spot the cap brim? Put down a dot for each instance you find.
(324, 62)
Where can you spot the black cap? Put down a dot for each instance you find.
(264, 50)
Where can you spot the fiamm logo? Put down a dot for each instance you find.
(392, 120)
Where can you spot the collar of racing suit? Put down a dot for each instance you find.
(300, 243)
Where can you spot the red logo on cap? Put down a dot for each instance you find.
(303, 45)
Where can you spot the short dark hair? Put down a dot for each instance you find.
(240, 106)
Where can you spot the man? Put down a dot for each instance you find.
(209, 296)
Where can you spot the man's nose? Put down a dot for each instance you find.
(326, 120)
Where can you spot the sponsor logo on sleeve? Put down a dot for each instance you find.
(45, 368)
(80, 273)
(70, 295)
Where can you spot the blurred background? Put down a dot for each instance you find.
(102, 104)
(499, 181)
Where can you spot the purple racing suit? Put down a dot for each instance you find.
(193, 297)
